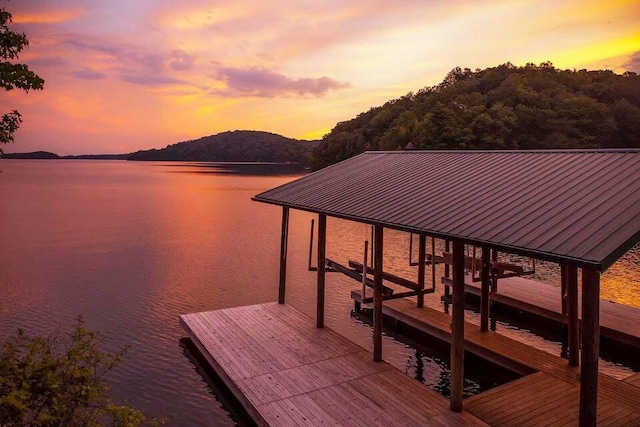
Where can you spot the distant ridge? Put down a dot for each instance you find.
(32, 155)
(232, 146)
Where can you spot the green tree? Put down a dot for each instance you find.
(60, 381)
(502, 107)
(12, 75)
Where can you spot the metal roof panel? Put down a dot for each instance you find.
(578, 206)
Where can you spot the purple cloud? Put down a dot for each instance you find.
(150, 80)
(180, 60)
(123, 53)
(88, 74)
(133, 66)
(95, 46)
(48, 61)
(633, 64)
(265, 83)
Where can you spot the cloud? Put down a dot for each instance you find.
(261, 82)
(181, 60)
(150, 80)
(30, 13)
(633, 63)
(88, 74)
(47, 61)
(132, 64)
(123, 53)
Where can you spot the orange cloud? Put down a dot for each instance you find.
(47, 17)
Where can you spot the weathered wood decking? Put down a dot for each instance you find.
(542, 399)
(548, 396)
(285, 371)
(634, 380)
(617, 321)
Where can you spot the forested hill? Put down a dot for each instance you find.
(238, 146)
(504, 107)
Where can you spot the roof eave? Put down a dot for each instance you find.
(578, 262)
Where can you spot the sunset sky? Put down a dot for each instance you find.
(127, 75)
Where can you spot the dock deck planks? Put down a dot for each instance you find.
(541, 399)
(634, 380)
(492, 346)
(617, 321)
(549, 396)
(285, 371)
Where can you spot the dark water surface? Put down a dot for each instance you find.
(131, 246)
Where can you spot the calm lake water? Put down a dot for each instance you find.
(131, 246)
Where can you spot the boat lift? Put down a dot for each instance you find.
(360, 271)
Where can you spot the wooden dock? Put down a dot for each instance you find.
(634, 380)
(618, 322)
(285, 372)
(548, 394)
(542, 399)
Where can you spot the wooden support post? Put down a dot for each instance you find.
(322, 246)
(422, 259)
(283, 254)
(447, 273)
(563, 288)
(365, 269)
(410, 249)
(457, 328)
(494, 272)
(590, 347)
(377, 294)
(485, 275)
(373, 242)
(433, 263)
(571, 277)
(311, 246)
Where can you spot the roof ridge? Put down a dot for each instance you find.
(529, 151)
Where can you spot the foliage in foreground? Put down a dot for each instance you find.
(60, 381)
(13, 76)
(503, 107)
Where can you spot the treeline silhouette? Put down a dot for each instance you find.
(234, 146)
(503, 107)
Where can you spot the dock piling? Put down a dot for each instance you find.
(283, 254)
(322, 261)
(457, 328)
(422, 255)
(590, 347)
(484, 294)
(377, 293)
(573, 326)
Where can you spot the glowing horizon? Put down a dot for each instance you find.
(124, 76)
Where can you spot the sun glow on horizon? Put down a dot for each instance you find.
(164, 72)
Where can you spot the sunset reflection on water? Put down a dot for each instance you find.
(131, 246)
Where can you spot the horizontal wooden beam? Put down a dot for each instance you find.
(357, 295)
(337, 267)
(386, 276)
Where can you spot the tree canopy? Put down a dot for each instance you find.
(12, 75)
(503, 107)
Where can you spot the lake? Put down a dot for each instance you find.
(131, 246)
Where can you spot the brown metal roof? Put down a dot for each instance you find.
(577, 206)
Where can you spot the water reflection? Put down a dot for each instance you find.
(132, 245)
(237, 168)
